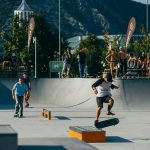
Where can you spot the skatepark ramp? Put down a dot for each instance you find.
(76, 92)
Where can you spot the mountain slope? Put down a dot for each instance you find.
(81, 17)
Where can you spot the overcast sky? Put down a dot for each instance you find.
(142, 1)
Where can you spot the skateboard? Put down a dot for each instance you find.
(107, 123)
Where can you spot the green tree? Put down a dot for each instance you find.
(142, 44)
(114, 41)
(14, 37)
(145, 42)
(47, 45)
(96, 52)
(15, 40)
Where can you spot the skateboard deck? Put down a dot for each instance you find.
(107, 123)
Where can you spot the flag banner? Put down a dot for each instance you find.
(30, 31)
(130, 31)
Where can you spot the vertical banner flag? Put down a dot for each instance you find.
(131, 29)
(30, 31)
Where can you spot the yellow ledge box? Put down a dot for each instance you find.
(87, 134)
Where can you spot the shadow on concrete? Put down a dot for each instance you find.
(117, 139)
(7, 107)
(53, 144)
(41, 147)
(82, 117)
(6, 101)
(69, 118)
(62, 118)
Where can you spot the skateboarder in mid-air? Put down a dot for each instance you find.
(102, 89)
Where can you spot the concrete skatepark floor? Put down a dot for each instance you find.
(132, 133)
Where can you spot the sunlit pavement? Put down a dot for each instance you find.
(133, 131)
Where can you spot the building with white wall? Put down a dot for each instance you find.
(23, 11)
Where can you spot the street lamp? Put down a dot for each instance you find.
(147, 16)
(59, 32)
(147, 23)
(35, 71)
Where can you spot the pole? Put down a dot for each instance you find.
(59, 37)
(35, 71)
(147, 24)
(59, 32)
(147, 16)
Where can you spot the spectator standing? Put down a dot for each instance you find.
(82, 62)
(26, 80)
(112, 59)
(67, 63)
(123, 61)
(18, 92)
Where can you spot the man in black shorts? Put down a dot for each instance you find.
(26, 80)
(102, 89)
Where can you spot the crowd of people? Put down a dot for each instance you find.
(81, 59)
(120, 63)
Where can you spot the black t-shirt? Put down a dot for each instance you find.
(26, 81)
(82, 58)
(67, 58)
(142, 58)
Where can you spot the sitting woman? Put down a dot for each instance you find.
(132, 61)
(148, 65)
(142, 61)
